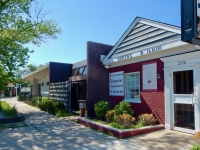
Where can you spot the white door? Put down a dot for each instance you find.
(184, 100)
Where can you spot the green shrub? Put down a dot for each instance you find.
(110, 116)
(147, 119)
(52, 107)
(19, 97)
(62, 113)
(140, 124)
(123, 108)
(116, 125)
(125, 120)
(7, 110)
(46, 105)
(195, 147)
(100, 108)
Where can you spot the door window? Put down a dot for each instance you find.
(183, 82)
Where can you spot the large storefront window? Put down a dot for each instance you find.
(132, 89)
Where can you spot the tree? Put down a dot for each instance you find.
(31, 68)
(21, 22)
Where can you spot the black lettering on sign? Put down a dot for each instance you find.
(182, 62)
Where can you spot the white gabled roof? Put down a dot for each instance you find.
(141, 35)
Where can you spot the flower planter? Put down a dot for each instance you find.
(118, 132)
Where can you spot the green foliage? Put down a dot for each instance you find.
(52, 107)
(7, 110)
(110, 116)
(140, 124)
(123, 108)
(62, 113)
(147, 119)
(195, 147)
(125, 120)
(100, 108)
(116, 125)
(22, 22)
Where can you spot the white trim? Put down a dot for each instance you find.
(144, 21)
(171, 65)
(138, 52)
(130, 100)
(192, 55)
(79, 64)
(184, 130)
(36, 71)
(162, 26)
(123, 37)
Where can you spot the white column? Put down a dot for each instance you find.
(168, 99)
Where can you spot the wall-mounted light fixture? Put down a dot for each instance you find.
(107, 66)
(159, 75)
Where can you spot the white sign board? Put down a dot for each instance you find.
(149, 76)
(116, 83)
(25, 90)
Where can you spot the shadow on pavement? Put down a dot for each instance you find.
(164, 139)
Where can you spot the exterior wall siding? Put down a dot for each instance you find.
(151, 101)
(97, 75)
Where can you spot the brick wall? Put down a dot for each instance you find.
(151, 101)
(97, 75)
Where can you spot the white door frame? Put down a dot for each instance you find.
(184, 99)
(179, 63)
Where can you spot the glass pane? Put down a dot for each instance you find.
(128, 95)
(137, 76)
(183, 82)
(137, 83)
(80, 71)
(132, 95)
(132, 83)
(75, 72)
(85, 70)
(137, 95)
(137, 90)
(128, 77)
(128, 89)
(184, 116)
(132, 90)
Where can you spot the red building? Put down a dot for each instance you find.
(155, 72)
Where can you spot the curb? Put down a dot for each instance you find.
(126, 133)
(11, 119)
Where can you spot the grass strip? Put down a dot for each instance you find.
(7, 110)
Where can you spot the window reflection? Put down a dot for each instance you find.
(79, 71)
(85, 70)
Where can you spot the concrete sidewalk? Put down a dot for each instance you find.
(50, 132)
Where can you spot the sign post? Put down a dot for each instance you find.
(190, 21)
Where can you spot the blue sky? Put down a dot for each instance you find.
(102, 21)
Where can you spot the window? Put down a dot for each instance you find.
(42, 84)
(80, 71)
(85, 70)
(47, 83)
(75, 72)
(132, 88)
